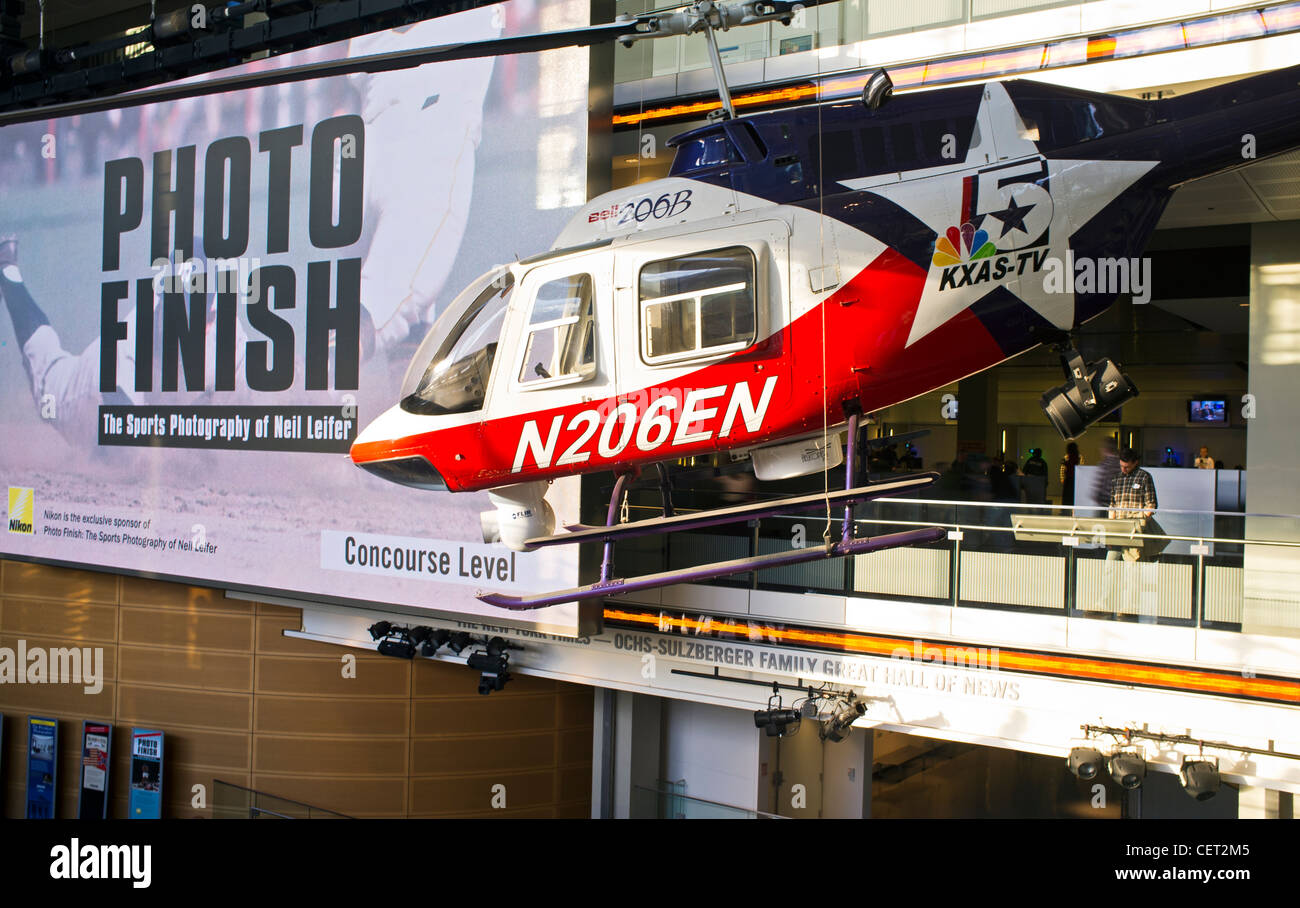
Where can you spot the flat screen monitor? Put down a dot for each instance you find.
(1208, 412)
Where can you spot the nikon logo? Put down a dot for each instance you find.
(22, 507)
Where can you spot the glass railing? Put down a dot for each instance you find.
(670, 802)
(234, 802)
(1213, 569)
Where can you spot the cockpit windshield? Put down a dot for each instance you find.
(450, 371)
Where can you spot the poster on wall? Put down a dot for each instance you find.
(42, 767)
(146, 774)
(96, 751)
(207, 299)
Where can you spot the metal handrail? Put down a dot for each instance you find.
(253, 806)
(814, 518)
(758, 814)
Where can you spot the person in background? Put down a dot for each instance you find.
(1203, 460)
(1132, 496)
(1071, 460)
(890, 456)
(1109, 469)
(1034, 481)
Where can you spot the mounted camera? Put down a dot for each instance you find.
(1090, 393)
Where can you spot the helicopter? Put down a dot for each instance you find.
(796, 271)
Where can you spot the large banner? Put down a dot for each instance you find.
(208, 299)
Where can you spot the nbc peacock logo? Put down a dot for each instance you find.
(22, 510)
(963, 244)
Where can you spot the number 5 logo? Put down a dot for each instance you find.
(1015, 203)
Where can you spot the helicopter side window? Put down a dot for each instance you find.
(454, 378)
(561, 333)
(698, 304)
(702, 152)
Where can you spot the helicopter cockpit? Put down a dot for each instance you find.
(450, 370)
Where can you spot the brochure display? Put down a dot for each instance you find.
(96, 752)
(42, 767)
(146, 774)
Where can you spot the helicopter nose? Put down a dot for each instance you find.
(380, 437)
(381, 449)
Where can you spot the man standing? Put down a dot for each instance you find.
(1204, 461)
(1132, 495)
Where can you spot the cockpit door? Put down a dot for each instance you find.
(559, 339)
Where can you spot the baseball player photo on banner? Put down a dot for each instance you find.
(206, 300)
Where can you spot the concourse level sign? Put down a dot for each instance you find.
(146, 774)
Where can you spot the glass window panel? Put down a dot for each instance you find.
(727, 318)
(884, 16)
(695, 302)
(569, 347)
(696, 272)
(561, 298)
(454, 378)
(670, 327)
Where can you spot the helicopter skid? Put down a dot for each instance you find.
(619, 587)
(714, 517)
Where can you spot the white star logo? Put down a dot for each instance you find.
(1026, 208)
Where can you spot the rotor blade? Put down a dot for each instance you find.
(373, 63)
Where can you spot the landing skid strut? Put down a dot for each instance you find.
(608, 585)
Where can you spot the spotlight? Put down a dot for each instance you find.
(434, 642)
(1128, 768)
(419, 634)
(494, 664)
(778, 723)
(841, 723)
(380, 629)
(878, 90)
(458, 642)
(1091, 393)
(1085, 762)
(173, 26)
(27, 63)
(1200, 778)
(400, 646)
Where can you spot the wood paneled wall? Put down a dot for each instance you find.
(242, 703)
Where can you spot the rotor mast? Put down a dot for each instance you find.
(709, 17)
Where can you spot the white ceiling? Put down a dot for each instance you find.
(1267, 190)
